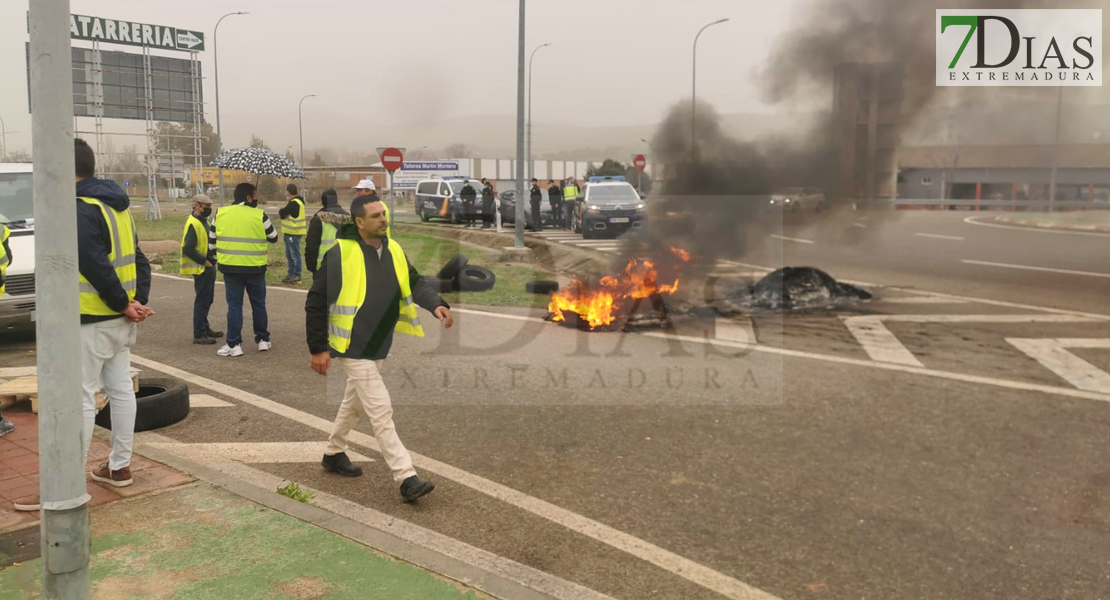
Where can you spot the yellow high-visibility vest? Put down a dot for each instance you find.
(241, 236)
(5, 260)
(121, 229)
(298, 225)
(188, 267)
(570, 192)
(352, 294)
(327, 240)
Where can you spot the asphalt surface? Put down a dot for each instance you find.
(803, 469)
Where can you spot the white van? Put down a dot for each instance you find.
(17, 212)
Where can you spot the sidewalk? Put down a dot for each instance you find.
(1079, 220)
(168, 536)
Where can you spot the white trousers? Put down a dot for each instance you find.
(106, 364)
(366, 393)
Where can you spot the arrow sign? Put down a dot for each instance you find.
(188, 40)
(639, 162)
(392, 159)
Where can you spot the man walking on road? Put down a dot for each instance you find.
(294, 225)
(370, 291)
(198, 259)
(242, 233)
(322, 230)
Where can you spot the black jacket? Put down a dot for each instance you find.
(372, 334)
(291, 210)
(94, 242)
(189, 246)
(555, 193)
(536, 194)
(316, 233)
(468, 194)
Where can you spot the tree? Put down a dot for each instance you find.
(459, 150)
(170, 137)
(611, 168)
(317, 160)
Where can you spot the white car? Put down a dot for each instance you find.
(17, 212)
(799, 199)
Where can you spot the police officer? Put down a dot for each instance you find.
(487, 204)
(198, 260)
(536, 197)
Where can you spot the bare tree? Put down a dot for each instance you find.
(459, 150)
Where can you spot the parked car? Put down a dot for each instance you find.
(439, 198)
(507, 202)
(17, 305)
(797, 199)
(611, 206)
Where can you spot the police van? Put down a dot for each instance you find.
(17, 304)
(610, 206)
(438, 198)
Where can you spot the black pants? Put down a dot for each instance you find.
(470, 215)
(205, 287)
(537, 218)
(557, 211)
(487, 210)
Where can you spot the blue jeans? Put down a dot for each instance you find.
(293, 254)
(205, 287)
(254, 284)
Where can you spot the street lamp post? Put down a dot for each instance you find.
(530, 58)
(3, 140)
(694, 95)
(518, 238)
(300, 124)
(219, 132)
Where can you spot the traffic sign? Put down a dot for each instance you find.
(127, 184)
(392, 159)
(639, 162)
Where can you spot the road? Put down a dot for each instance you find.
(910, 447)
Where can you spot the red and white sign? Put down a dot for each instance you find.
(639, 162)
(392, 159)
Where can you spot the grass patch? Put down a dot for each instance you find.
(295, 492)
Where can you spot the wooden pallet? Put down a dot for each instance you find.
(27, 388)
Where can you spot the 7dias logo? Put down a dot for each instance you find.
(1050, 47)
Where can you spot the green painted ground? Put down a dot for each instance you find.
(202, 543)
(427, 253)
(1077, 218)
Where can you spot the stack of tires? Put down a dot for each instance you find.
(457, 275)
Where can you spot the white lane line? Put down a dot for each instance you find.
(790, 239)
(1030, 268)
(207, 401)
(660, 557)
(921, 300)
(436, 542)
(883, 346)
(940, 237)
(1054, 356)
(858, 362)
(977, 222)
(732, 330)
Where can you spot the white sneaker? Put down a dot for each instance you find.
(263, 346)
(229, 351)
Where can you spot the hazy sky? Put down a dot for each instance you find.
(374, 63)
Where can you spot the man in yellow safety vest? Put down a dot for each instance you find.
(294, 225)
(369, 291)
(322, 230)
(198, 260)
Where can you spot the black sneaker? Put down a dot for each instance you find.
(414, 487)
(204, 340)
(215, 334)
(341, 464)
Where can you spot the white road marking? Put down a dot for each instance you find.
(940, 237)
(1053, 354)
(261, 452)
(883, 346)
(508, 569)
(975, 221)
(733, 330)
(660, 557)
(207, 401)
(860, 225)
(790, 239)
(921, 300)
(1029, 268)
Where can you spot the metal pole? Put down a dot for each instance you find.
(219, 131)
(518, 240)
(531, 170)
(694, 94)
(3, 140)
(65, 502)
(300, 127)
(1055, 153)
(391, 203)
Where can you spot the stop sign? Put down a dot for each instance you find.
(639, 162)
(392, 159)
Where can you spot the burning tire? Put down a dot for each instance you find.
(476, 279)
(441, 286)
(452, 268)
(158, 403)
(542, 286)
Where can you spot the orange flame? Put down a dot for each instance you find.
(602, 306)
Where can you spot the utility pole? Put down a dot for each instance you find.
(518, 241)
(694, 93)
(65, 502)
(531, 170)
(300, 129)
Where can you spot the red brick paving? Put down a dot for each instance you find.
(19, 471)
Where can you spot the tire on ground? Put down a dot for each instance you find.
(160, 402)
(475, 279)
(452, 268)
(543, 286)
